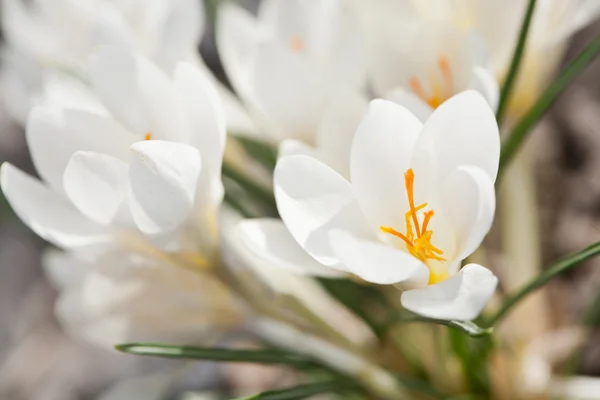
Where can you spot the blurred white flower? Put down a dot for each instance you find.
(57, 36)
(140, 164)
(299, 68)
(493, 27)
(381, 225)
(420, 62)
(121, 297)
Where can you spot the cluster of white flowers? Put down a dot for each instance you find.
(388, 152)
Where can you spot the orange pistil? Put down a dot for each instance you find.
(296, 44)
(148, 136)
(417, 239)
(441, 90)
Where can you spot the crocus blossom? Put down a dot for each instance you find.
(420, 199)
(140, 164)
(299, 68)
(48, 37)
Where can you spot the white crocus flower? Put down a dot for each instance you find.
(299, 68)
(420, 62)
(419, 201)
(58, 36)
(498, 24)
(120, 297)
(141, 165)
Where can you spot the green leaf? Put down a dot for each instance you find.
(517, 58)
(263, 152)
(304, 391)
(262, 356)
(546, 276)
(569, 73)
(467, 327)
(255, 189)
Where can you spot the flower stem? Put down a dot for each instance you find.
(522, 128)
(517, 58)
(558, 268)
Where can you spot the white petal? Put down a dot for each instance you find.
(271, 241)
(96, 184)
(377, 263)
(47, 213)
(411, 102)
(312, 199)
(53, 135)
(336, 130)
(484, 82)
(138, 94)
(289, 89)
(205, 115)
(462, 131)
(380, 156)
(236, 41)
(293, 147)
(163, 181)
(461, 297)
(468, 202)
(181, 32)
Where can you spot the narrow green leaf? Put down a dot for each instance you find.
(255, 189)
(262, 356)
(263, 152)
(517, 57)
(303, 391)
(467, 327)
(548, 274)
(569, 73)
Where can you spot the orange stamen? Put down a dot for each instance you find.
(444, 66)
(417, 87)
(392, 231)
(409, 180)
(296, 44)
(418, 242)
(148, 136)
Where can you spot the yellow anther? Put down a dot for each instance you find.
(296, 44)
(440, 90)
(417, 237)
(148, 136)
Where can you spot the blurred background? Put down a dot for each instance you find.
(39, 362)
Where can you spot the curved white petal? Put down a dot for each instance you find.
(312, 199)
(411, 102)
(47, 213)
(180, 33)
(336, 130)
(377, 263)
(485, 83)
(468, 202)
(53, 135)
(289, 89)
(293, 147)
(205, 116)
(462, 131)
(461, 297)
(96, 184)
(163, 181)
(270, 240)
(138, 94)
(380, 156)
(236, 35)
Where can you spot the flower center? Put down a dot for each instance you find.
(442, 88)
(148, 136)
(296, 44)
(417, 236)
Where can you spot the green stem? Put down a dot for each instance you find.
(558, 268)
(257, 190)
(304, 391)
(517, 58)
(569, 73)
